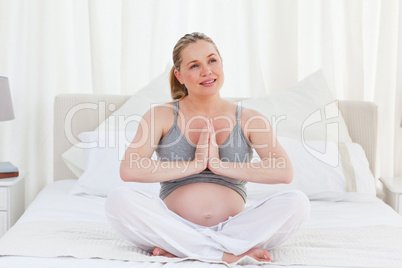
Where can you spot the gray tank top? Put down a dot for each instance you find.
(174, 146)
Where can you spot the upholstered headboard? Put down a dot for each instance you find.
(76, 113)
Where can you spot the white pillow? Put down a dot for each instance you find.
(306, 111)
(74, 159)
(102, 157)
(156, 92)
(309, 96)
(322, 171)
(126, 117)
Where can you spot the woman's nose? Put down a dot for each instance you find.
(206, 70)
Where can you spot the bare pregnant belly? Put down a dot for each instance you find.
(205, 204)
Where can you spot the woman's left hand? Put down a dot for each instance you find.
(214, 162)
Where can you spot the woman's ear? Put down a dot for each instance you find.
(178, 76)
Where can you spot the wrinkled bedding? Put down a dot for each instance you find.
(342, 234)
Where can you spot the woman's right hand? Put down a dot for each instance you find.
(202, 151)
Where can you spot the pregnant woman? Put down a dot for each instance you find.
(204, 147)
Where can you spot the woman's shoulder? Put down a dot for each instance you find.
(252, 119)
(160, 116)
(246, 113)
(162, 107)
(160, 111)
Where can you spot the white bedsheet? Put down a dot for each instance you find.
(54, 203)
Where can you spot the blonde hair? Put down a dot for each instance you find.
(177, 90)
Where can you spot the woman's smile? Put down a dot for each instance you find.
(208, 83)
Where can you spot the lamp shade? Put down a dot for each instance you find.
(6, 106)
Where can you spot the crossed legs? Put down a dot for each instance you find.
(145, 220)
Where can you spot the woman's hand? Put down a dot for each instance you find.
(207, 152)
(214, 162)
(202, 151)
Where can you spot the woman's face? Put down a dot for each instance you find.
(201, 69)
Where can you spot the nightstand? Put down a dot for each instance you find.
(12, 201)
(393, 193)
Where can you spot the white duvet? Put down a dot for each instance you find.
(330, 237)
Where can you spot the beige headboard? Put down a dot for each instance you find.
(89, 109)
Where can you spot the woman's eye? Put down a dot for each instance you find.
(212, 60)
(193, 66)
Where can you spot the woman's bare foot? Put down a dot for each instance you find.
(255, 253)
(161, 252)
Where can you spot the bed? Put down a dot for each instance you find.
(349, 225)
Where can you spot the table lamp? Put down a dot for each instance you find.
(6, 113)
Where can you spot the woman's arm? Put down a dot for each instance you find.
(137, 164)
(275, 165)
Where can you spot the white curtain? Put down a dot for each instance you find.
(49, 47)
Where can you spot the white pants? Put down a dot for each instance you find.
(146, 221)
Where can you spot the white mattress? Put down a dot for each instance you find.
(54, 203)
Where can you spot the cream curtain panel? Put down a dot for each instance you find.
(49, 47)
